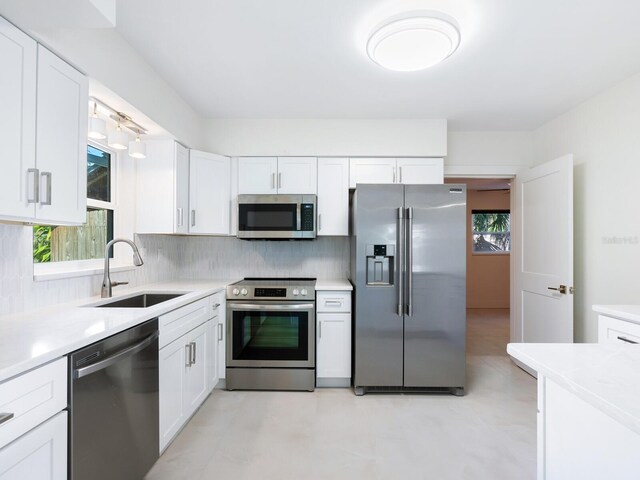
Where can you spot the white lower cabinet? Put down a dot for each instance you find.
(333, 339)
(39, 454)
(183, 380)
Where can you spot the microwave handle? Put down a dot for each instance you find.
(298, 216)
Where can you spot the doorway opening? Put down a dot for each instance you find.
(488, 264)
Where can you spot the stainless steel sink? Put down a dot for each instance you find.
(142, 300)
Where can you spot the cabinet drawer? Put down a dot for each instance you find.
(32, 398)
(614, 330)
(175, 324)
(334, 302)
(216, 304)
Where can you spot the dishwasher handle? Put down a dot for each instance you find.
(116, 357)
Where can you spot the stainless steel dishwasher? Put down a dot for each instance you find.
(113, 421)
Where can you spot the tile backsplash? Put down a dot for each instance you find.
(167, 258)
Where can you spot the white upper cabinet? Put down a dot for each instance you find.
(333, 196)
(297, 175)
(18, 53)
(209, 193)
(61, 141)
(420, 171)
(258, 175)
(43, 133)
(372, 170)
(273, 175)
(162, 188)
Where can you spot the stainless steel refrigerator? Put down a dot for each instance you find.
(408, 266)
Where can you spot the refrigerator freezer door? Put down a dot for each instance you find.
(378, 326)
(434, 329)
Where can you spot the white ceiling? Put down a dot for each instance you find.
(520, 63)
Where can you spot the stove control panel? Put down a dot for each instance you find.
(270, 292)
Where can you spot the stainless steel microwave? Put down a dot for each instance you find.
(272, 217)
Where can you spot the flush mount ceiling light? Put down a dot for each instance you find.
(413, 43)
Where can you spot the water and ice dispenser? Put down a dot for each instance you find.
(380, 264)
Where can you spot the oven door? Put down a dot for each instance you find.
(271, 334)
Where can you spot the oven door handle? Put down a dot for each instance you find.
(254, 306)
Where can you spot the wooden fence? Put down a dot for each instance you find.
(80, 243)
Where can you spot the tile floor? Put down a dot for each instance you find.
(332, 434)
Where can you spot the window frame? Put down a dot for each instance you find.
(79, 268)
(473, 232)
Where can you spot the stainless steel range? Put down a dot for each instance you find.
(271, 334)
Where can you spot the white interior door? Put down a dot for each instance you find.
(542, 295)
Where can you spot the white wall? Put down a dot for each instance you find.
(604, 135)
(327, 137)
(488, 153)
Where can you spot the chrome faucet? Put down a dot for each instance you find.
(107, 284)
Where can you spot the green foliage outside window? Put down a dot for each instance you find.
(42, 243)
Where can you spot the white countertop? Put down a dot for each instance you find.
(630, 313)
(34, 338)
(333, 284)
(605, 376)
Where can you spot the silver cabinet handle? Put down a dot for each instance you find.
(625, 339)
(215, 307)
(255, 306)
(399, 174)
(410, 261)
(220, 330)
(273, 181)
(35, 184)
(187, 354)
(333, 302)
(193, 218)
(49, 178)
(280, 180)
(5, 417)
(320, 329)
(319, 221)
(116, 357)
(394, 174)
(400, 263)
(180, 217)
(193, 353)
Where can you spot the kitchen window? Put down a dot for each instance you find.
(491, 231)
(82, 247)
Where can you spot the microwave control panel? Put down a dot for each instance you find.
(307, 217)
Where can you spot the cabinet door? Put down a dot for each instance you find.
(257, 175)
(297, 175)
(172, 378)
(196, 387)
(39, 454)
(420, 171)
(18, 53)
(209, 193)
(61, 141)
(372, 170)
(334, 345)
(162, 188)
(333, 196)
(181, 185)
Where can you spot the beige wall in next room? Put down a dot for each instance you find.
(487, 275)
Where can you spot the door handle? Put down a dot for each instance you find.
(193, 218)
(401, 259)
(180, 217)
(220, 330)
(49, 178)
(280, 180)
(562, 289)
(36, 185)
(273, 181)
(193, 353)
(410, 261)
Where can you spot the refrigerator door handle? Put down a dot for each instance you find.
(409, 261)
(400, 261)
